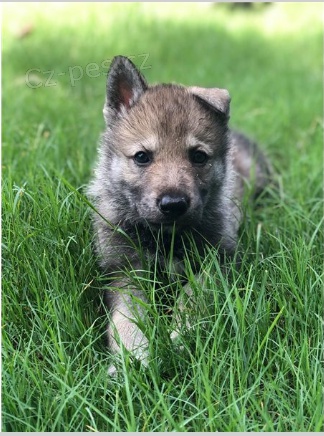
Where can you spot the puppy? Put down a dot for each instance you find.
(169, 171)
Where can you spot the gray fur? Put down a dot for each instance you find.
(169, 123)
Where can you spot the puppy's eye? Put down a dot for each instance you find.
(198, 157)
(142, 158)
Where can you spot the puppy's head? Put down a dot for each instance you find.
(164, 148)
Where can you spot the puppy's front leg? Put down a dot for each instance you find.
(127, 311)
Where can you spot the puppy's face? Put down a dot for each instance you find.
(166, 148)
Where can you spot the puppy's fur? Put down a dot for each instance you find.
(167, 160)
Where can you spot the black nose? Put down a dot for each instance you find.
(173, 205)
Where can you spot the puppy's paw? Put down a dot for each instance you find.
(112, 371)
(138, 358)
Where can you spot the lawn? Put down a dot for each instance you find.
(253, 358)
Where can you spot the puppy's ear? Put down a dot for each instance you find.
(125, 85)
(215, 98)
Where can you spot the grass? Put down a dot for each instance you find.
(253, 359)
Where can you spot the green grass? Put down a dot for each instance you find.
(252, 360)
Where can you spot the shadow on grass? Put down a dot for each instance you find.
(205, 52)
(265, 75)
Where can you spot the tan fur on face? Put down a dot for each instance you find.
(163, 112)
(158, 124)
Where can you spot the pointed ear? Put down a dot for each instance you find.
(216, 98)
(125, 85)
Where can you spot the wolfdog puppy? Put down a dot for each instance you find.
(167, 163)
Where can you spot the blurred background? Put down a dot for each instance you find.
(55, 57)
